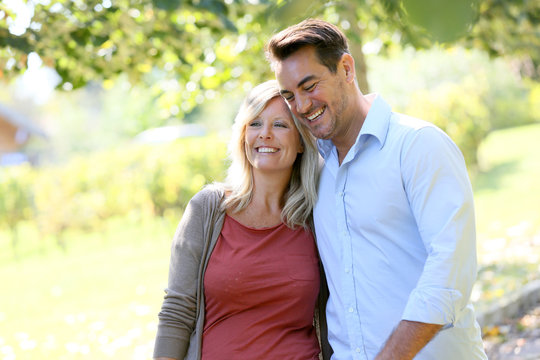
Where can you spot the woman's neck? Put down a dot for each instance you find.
(264, 209)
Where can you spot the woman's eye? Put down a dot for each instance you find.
(279, 124)
(254, 123)
(310, 87)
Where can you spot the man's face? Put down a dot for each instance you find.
(315, 95)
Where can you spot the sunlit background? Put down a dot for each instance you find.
(114, 113)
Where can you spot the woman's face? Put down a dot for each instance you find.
(272, 141)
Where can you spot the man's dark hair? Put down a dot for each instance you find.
(329, 42)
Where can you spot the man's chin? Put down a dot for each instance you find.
(321, 133)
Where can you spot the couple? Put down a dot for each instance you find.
(393, 218)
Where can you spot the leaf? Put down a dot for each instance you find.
(168, 5)
(443, 20)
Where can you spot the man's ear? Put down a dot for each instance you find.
(347, 61)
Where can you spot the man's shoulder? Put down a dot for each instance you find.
(407, 127)
(427, 137)
(411, 123)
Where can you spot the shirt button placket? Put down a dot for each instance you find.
(352, 316)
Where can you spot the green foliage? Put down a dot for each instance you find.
(16, 195)
(187, 50)
(509, 28)
(464, 92)
(457, 110)
(135, 181)
(507, 194)
(174, 179)
(16, 199)
(442, 20)
(183, 49)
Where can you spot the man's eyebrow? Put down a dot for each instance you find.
(300, 83)
(305, 80)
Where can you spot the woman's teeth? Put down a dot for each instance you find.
(266, 150)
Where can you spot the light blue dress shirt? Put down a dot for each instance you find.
(396, 234)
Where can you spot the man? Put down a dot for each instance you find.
(395, 217)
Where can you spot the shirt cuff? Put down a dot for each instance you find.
(432, 306)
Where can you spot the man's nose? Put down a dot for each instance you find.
(303, 104)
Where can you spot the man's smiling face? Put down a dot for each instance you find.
(314, 94)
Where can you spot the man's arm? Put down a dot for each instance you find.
(440, 196)
(407, 340)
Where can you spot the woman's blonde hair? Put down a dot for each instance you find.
(301, 194)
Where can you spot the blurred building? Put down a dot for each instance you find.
(15, 132)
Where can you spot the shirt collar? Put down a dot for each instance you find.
(325, 147)
(375, 124)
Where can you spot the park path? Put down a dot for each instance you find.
(517, 338)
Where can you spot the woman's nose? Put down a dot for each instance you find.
(264, 136)
(266, 132)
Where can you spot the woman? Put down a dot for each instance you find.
(244, 271)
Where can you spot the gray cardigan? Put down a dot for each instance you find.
(181, 318)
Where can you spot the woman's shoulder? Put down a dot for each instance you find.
(209, 194)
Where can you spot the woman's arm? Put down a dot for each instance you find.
(178, 315)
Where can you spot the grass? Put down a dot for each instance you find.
(507, 190)
(99, 300)
(507, 197)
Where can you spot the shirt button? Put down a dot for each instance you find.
(358, 350)
(347, 270)
(351, 310)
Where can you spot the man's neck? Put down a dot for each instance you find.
(346, 140)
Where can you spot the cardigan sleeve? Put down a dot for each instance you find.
(177, 318)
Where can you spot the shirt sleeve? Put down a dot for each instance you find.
(440, 195)
(178, 314)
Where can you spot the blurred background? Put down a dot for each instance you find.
(113, 113)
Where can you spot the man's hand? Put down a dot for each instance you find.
(407, 340)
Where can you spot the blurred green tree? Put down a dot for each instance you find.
(191, 48)
(184, 48)
(509, 28)
(16, 200)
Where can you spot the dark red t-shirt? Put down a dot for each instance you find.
(260, 289)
